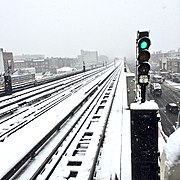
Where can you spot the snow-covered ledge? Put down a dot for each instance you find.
(170, 158)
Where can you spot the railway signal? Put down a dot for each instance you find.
(143, 55)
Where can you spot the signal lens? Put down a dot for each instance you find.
(144, 68)
(143, 56)
(143, 45)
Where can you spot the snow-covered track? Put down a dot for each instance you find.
(44, 100)
(82, 139)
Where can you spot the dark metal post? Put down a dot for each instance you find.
(8, 84)
(143, 93)
(7, 79)
(84, 67)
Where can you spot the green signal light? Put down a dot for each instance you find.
(143, 45)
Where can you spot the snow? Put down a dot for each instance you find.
(147, 105)
(162, 138)
(172, 149)
(18, 144)
(126, 148)
(172, 104)
(115, 159)
(64, 69)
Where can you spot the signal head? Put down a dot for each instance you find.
(143, 55)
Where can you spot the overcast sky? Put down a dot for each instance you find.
(61, 28)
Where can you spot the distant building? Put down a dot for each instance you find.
(6, 62)
(61, 62)
(173, 64)
(169, 61)
(102, 59)
(40, 65)
(163, 64)
(31, 70)
(90, 58)
(43, 65)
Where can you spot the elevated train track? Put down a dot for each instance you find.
(37, 101)
(43, 91)
(78, 132)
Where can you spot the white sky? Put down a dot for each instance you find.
(63, 27)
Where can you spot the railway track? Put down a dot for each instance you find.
(39, 103)
(75, 141)
(44, 90)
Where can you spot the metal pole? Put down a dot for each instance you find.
(143, 93)
(136, 78)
